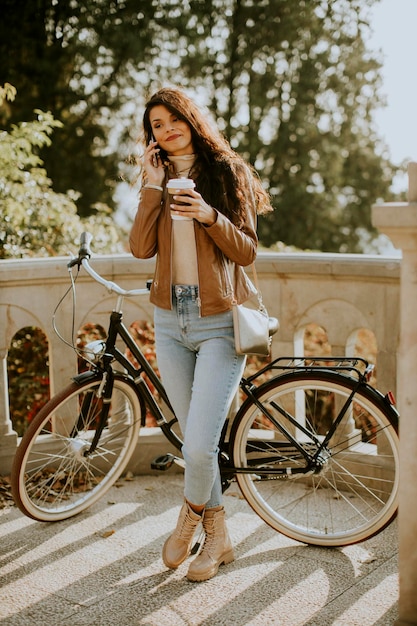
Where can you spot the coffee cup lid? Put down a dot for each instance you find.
(180, 183)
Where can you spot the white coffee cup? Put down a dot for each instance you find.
(179, 184)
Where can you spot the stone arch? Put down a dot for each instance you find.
(354, 337)
(339, 318)
(17, 317)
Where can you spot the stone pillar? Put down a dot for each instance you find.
(8, 437)
(399, 222)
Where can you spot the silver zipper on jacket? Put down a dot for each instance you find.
(198, 299)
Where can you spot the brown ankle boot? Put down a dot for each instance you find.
(178, 546)
(217, 548)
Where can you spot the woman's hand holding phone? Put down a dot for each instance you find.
(153, 165)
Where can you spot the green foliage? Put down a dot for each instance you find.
(34, 219)
(74, 59)
(28, 376)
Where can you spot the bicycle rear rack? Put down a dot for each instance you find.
(354, 367)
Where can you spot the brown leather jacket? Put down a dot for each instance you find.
(218, 246)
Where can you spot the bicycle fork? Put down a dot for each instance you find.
(103, 396)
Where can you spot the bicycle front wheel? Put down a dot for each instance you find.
(353, 493)
(54, 474)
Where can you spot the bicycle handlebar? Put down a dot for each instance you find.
(84, 254)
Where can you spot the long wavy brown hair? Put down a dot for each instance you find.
(222, 177)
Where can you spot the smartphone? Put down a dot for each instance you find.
(155, 156)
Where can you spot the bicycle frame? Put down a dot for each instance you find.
(314, 462)
(118, 329)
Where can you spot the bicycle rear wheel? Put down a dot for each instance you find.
(354, 495)
(53, 476)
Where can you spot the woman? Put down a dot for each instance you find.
(197, 260)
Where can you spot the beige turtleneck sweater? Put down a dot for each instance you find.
(184, 253)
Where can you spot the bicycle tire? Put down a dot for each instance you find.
(51, 477)
(355, 495)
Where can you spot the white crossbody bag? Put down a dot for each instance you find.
(252, 327)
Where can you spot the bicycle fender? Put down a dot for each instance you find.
(85, 376)
(385, 404)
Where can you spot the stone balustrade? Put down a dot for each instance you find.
(341, 293)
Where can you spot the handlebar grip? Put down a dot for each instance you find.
(84, 251)
(85, 240)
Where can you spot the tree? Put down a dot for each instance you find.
(291, 84)
(71, 58)
(295, 90)
(35, 220)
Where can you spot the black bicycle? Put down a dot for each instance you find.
(313, 446)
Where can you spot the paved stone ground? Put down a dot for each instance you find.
(104, 568)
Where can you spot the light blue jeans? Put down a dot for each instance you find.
(201, 372)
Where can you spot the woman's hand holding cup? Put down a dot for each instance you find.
(178, 189)
(188, 204)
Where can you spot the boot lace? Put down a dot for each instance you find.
(187, 529)
(210, 538)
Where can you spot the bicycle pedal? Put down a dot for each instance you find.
(163, 462)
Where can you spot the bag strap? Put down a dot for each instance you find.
(232, 289)
(255, 277)
(256, 283)
(258, 290)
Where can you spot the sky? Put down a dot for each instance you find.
(394, 24)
